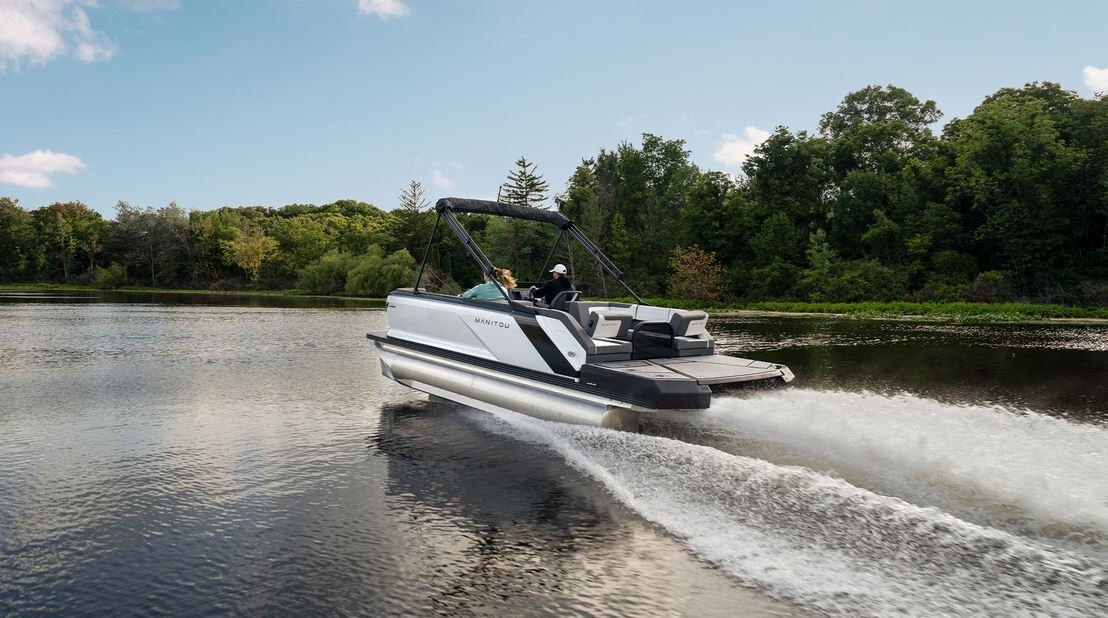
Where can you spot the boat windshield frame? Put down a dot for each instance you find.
(447, 206)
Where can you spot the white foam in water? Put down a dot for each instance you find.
(1021, 470)
(820, 541)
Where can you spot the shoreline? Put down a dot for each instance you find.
(992, 313)
(65, 287)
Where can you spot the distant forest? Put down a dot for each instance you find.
(1010, 202)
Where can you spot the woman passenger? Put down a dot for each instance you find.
(488, 290)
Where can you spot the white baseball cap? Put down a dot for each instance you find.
(559, 268)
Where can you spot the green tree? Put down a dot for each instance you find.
(67, 231)
(376, 275)
(17, 241)
(525, 186)
(152, 240)
(411, 220)
(249, 250)
(883, 238)
(302, 240)
(879, 128)
(791, 174)
(328, 274)
(1016, 174)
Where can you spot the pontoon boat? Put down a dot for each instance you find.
(572, 360)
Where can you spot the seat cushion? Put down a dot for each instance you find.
(688, 323)
(611, 346)
(691, 343)
(608, 323)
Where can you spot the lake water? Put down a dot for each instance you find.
(182, 456)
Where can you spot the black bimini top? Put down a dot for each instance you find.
(500, 209)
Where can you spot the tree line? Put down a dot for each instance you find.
(876, 204)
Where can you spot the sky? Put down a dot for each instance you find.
(224, 103)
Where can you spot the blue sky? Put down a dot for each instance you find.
(225, 103)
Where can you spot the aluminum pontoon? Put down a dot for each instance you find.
(576, 361)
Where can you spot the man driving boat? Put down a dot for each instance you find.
(560, 283)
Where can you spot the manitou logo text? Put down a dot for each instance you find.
(488, 322)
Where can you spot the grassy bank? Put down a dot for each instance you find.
(980, 312)
(955, 311)
(976, 312)
(140, 289)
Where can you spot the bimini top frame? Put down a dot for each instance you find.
(447, 206)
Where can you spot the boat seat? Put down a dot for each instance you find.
(691, 343)
(684, 323)
(688, 323)
(558, 303)
(607, 347)
(581, 310)
(608, 323)
(693, 346)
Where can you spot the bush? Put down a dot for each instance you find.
(991, 286)
(111, 278)
(326, 275)
(954, 266)
(938, 290)
(868, 280)
(852, 281)
(438, 282)
(776, 280)
(1094, 293)
(376, 276)
(695, 274)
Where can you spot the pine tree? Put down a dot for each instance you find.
(525, 186)
(411, 221)
(412, 202)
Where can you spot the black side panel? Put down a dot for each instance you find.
(544, 346)
(670, 392)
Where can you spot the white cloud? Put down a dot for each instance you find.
(33, 169)
(440, 180)
(734, 149)
(149, 6)
(1096, 79)
(383, 8)
(37, 31)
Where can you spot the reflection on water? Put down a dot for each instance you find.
(500, 521)
(196, 460)
(1056, 369)
(193, 459)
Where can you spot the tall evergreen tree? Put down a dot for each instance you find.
(412, 202)
(411, 220)
(525, 185)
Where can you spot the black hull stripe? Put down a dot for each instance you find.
(547, 378)
(545, 346)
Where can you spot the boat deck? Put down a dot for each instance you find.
(706, 370)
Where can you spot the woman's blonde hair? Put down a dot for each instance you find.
(504, 276)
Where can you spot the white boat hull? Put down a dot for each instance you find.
(494, 391)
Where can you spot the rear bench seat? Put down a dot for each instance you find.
(614, 322)
(690, 335)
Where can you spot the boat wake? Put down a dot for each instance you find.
(1020, 471)
(830, 542)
